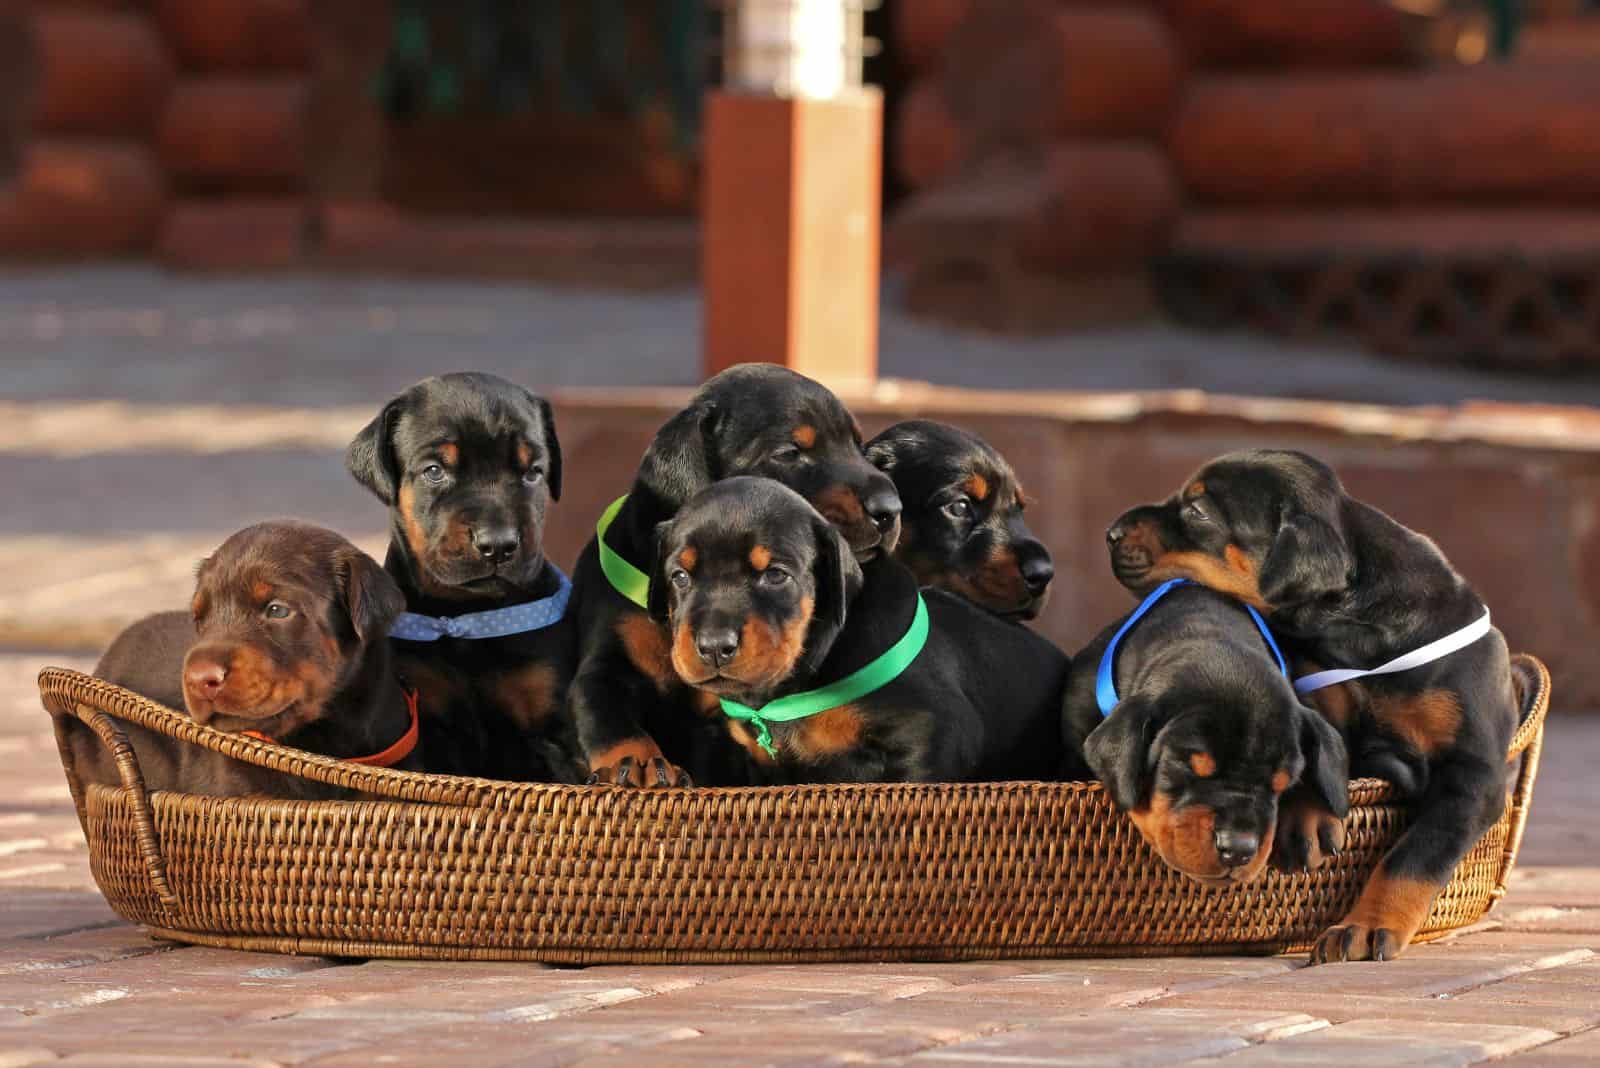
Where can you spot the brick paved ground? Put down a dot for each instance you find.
(119, 502)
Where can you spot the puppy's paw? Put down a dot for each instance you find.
(1354, 941)
(655, 773)
(1308, 835)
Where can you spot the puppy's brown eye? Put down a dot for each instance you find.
(774, 576)
(1196, 512)
(433, 473)
(276, 610)
(960, 508)
(533, 476)
(787, 454)
(679, 578)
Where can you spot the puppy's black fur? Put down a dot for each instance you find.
(763, 599)
(1350, 587)
(1206, 737)
(285, 638)
(963, 529)
(468, 465)
(751, 419)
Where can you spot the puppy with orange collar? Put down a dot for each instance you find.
(285, 641)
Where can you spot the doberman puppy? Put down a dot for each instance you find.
(1200, 734)
(962, 529)
(284, 640)
(1351, 588)
(751, 419)
(468, 465)
(827, 671)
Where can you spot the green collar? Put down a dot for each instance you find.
(625, 578)
(853, 686)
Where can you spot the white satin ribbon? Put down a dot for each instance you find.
(1435, 650)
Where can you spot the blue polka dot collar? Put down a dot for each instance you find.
(495, 623)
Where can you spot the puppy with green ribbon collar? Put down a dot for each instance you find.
(827, 670)
(634, 715)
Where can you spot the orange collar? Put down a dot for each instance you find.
(390, 756)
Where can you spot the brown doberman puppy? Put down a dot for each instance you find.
(284, 641)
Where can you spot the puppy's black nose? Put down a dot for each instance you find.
(496, 543)
(1037, 571)
(883, 508)
(205, 679)
(1115, 533)
(717, 647)
(1237, 848)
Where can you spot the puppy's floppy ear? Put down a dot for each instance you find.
(659, 601)
(684, 458)
(371, 597)
(552, 444)
(1118, 750)
(837, 579)
(370, 456)
(1327, 771)
(1308, 559)
(200, 571)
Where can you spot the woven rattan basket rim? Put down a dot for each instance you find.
(62, 689)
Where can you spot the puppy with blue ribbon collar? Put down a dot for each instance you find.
(469, 465)
(490, 623)
(1190, 722)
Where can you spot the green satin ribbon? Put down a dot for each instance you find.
(625, 578)
(854, 686)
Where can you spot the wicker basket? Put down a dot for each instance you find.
(455, 868)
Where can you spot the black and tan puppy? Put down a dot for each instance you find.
(962, 529)
(1201, 735)
(285, 641)
(1351, 588)
(768, 609)
(468, 465)
(754, 419)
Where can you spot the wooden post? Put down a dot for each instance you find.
(790, 227)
